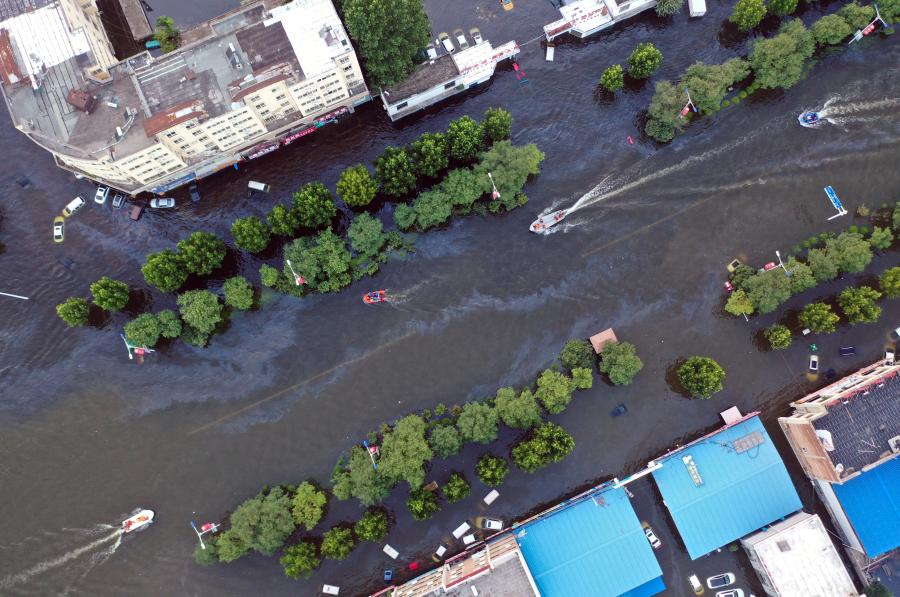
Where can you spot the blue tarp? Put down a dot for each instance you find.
(595, 546)
(740, 491)
(872, 503)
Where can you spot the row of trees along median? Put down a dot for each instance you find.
(775, 63)
(327, 261)
(848, 252)
(280, 515)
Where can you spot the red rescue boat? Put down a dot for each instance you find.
(376, 296)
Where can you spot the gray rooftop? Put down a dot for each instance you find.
(12, 8)
(862, 424)
(440, 70)
(508, 579)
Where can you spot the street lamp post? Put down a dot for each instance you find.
(495, 194)
(298, 279)
(781, 264)
(207, 528)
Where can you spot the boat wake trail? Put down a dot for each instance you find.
(834, 107)
(101, 556)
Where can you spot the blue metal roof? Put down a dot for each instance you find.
(739, 485)
(872, 503)
(594, 546)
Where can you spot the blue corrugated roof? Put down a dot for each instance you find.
(594, 547)
(872, 503)
(740, 492)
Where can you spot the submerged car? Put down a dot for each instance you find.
(476, 35)
(162, 202)
(813, 363)
(492, 524)
(655, 543)
(73, 206)
(731, 593)
(118, 200)
(59, 229)
(101, 195)
(696, 585)
(720, 580)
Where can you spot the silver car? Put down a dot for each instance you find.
(162, 202)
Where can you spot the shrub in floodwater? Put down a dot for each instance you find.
(726, 103)
(742, 94)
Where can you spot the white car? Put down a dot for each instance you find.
(73, 206)
(162, 202)
(813, 363)
(101, 195)
(720, 580)
(461, 39)
(731, 593)
(491, 524)
(655, 543)
(476, 35)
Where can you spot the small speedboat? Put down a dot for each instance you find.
(376, 296)
(139, 520)
(546, 221)
(810, 119)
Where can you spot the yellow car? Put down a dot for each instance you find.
(59, 229)
(506, 4)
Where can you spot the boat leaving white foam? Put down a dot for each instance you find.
(547, 221)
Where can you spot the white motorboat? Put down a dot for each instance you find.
(546, 221)
(137, 521)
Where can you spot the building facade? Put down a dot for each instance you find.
(240, 86)
(583, 18)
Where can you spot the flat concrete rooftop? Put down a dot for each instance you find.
(424, 77)
(507, 579)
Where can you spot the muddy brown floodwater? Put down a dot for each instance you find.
(86, 436)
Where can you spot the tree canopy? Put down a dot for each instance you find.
(422, 504)
(300, 560)
(109, 294)
(819, 318)
(890, 282)
(644, 60)
(769, 289)
(477, 423)
(405, 451)
(366, 235)
(356, 478)
(250, 234)
(747, 14)
(445, 440)
(143, 330)
(308, 505)
(701, 377)
(373, 526)
(554, 391)
(850, 251)
(782, 7)
(550, 443)
(830, 30)
(779, 61)
(388, 35)
(238, 293)
(263, 522)
(739, 304)
(283, 220)
(200, 309)
(165, 270)
(324, 262)
(620, 361)
(430, 154)
(356, 186)
(667, 8)
(201, 252)
(613, 78)
(881, 238)
(491, 470)
(858, 304)
(394, 172)
(74, 311)
(822, 264)
(708, 84)
(314, 205)
(456, 488)
(464, 138)
(856, 16)
(497, 125)
(779, 336)
(517, 411)
(664, 113)
(577, 353)
(337, 543)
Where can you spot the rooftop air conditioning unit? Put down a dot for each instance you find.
(894, 443)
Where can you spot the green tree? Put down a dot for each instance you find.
(710, 83)
(169, 324)
(456, 488)
(830, 30)
(143, 330)
(619, 360)
(664, 113)
(747, 14)
(667, 8)
(890, 12)
(337, 543)
(768, 290)
(782, 7)
(167, 34)
(644, 60)
(264, 522)
(314, 205)
(464, 139)
(895, 218)
(858, 304)
(366, 235)
(324, 262)
(850, 251)
(202, 252)
(356, 186)
(881, 238)
(511, 167)
(238, 293)
(577, 353)
(200, 309)
(74, 311)
(554, 391)
(491, 470)
(165, 270)
(251, 234)
(109, 294)
(231, 546)
(582, 378)
(210, 555)
(194, 337)
(477, 423)
(877, 590)
(497, 125)
(405, 451)
(445, 441)
(394, 172)
(613, 78)
(739, 304)
(300, 560)
(890, 282)
(430, 154)
(308, 505)
(549, 444)
(701, 377)
(779, 336)
(388, 36)
(823, 265)
(268, 275)
(356, 478)
(779, 61)
(283, 220)
(819, 318)
(422, 504)
(517, 411)
(856, 16)
(373, 526)
(741, 275)
(802, 277)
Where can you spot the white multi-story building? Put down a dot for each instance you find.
(239, 86)
(582, 18)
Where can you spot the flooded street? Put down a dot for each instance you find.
(86, 436)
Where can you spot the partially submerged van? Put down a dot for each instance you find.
(258, 186)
